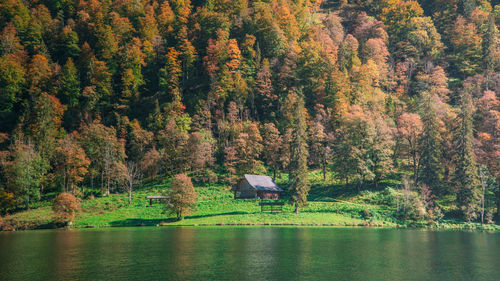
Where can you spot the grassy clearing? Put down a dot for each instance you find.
(330, 205)
(215, 206)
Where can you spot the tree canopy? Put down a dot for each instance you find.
(364, 90)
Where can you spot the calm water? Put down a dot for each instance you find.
(226, 253)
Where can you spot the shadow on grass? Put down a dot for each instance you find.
(154, 222)
(219, 214)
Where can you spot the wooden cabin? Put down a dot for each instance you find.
(254, 186)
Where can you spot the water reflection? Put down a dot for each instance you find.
(249, 254)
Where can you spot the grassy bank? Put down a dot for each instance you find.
(329, 205)
(215, 206)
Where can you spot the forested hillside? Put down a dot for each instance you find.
(92, 91)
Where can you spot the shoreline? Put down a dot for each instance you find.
(443, 227)
(217, 208)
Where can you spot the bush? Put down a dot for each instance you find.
(78, 193)
(182, 196)
(366, 214)
(412, 207)
(206, 176)
(7, 201)
(471, 212)
(489, 217)
(435, 214)
(65, 207)
(7, 225)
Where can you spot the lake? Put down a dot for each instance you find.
(249, 253)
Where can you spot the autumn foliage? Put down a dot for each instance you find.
(182, 196)
(209, 88)
(65, 207)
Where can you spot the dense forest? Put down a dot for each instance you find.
(94, 93)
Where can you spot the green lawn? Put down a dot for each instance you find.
(215, 206)
(329, 205)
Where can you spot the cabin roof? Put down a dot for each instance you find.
(263, 183)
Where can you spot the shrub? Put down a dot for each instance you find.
(7, 225)
(212, 177)
(78, 193)
(7, 201)
(470, 212)
(435, 213)
(206, 176)
(65, 207)
(182, 196)
(489, 216)
(412, 207)
(366, 214)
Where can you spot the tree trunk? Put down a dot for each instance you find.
(274, 175)
(42, 186)
(64, 183)
(482, 198)
(415, 171)
(102, 181)
(107, 186)
(296, 207)
(130, 196)
(324, 173)
(252, 104)
(498, 204)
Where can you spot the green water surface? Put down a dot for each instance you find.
(253, 253)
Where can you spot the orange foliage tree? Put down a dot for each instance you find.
(72, 163)
(65, 207)
(182, 196)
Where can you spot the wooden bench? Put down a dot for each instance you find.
(159, 198)
(271, 206)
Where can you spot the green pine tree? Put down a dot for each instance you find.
(299, 184)
(431, 145)
(466, 175)
(69, 90)
(491, 46)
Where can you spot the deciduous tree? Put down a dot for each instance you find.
(65, 207)
(25, 169)
(182, 196)
(132, 174)
(72, 163)
(466, 46)
(410, 128)
(199, 151)
(271, 147)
